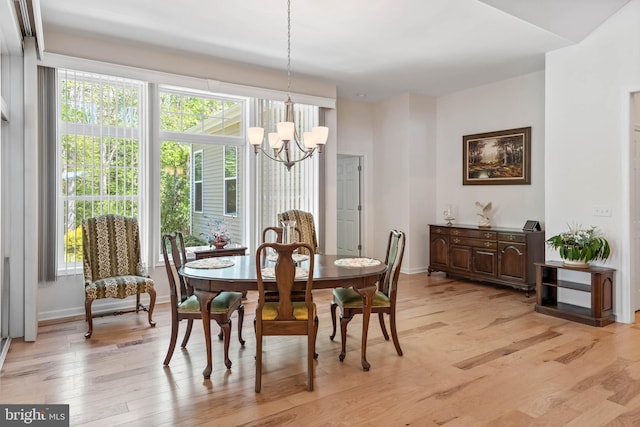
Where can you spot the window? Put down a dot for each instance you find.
(99, 144)
(279, 189)
(197, 181)
(230, 180)
(200, 134)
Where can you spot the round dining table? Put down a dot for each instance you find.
(241, 276)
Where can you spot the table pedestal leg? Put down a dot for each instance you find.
(204, 298)
(367, 299)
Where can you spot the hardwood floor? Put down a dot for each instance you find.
(474, 355)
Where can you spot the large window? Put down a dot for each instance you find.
(201, 134)
(99, 146)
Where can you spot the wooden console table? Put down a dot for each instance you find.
(600, 287)
(213, 252)
(503, 256)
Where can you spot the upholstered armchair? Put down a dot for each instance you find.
(111, 263)
(305, 223)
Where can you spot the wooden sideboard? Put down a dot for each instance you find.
(504, 256)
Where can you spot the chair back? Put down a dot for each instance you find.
(174, 242)
(393, 259)
(278, 231)
(285, 276)
(305, 223)
(111, 247)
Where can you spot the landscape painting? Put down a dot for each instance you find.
(501, 157)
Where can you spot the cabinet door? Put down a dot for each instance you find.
(485, 262)
(460, 258)
(439, 251)
(513, 261)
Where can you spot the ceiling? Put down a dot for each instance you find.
(370, 49)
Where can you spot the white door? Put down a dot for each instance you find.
(349, 207)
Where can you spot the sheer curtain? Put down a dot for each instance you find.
(278, 189)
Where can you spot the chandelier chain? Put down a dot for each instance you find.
(288, 47)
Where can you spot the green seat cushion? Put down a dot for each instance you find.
(220, 304)
(118, 287)
(270, 311)
(349, 298)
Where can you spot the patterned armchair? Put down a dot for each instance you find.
(112, 266)
(305, 223)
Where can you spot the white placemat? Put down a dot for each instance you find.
(211, 263)
(295, 257)
(356, 262)
(269, 273)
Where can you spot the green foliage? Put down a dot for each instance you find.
(174, 188)
(580, 244)
(73, 245)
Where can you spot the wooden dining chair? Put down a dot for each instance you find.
(276, 233)
(384, 300)
(185, 305)
(285, 316)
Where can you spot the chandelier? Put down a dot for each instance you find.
(286, 138)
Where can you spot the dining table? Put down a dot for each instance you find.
(239, 274)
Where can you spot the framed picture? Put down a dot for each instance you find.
(502, 157)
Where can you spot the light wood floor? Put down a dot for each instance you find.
(473, 355)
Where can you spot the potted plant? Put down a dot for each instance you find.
(218, 233)
(579, 246)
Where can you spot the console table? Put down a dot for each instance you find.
(600, 287)
(503, 256)
(213, 252)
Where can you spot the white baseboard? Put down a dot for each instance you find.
(98, 307)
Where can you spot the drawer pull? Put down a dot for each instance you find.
(488, 244)
(487, 235)
(456, 240)
(511, 237)
(438, 230)
(455, 232)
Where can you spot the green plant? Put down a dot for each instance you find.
(581, 244)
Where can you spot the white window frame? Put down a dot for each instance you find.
(226, 178)
(195, 181)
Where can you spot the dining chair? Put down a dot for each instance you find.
(111, 262)
(384, 300)
(278, 231)
(272, 295)
(285, 316)
(185, 305)
(306, 224)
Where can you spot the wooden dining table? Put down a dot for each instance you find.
(208, 282)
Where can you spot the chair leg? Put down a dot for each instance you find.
(311, 351)
(152, 304)
(240, 322)
(394, 333)
(344, 321)
(315, 336)
(187, 333)
(333, 319)
(382, 326)
(174, 338)
(138, 302)
(258, 359)
(226, 329)
(220, 335)
(88, 316)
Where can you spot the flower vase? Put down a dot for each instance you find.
(220, 242)
(575, 264)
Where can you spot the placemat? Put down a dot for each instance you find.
(217, 262)
(295, 257)
(356, 262)
(269, 273)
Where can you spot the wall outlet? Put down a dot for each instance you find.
(601, 211)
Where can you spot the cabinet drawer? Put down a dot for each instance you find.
(476, 234)
(474, 243)
(439, 230)
(512, 237)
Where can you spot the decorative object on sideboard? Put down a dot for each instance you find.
(448, 214)
(531, 225)
(217, 233)
(502, 157)
(485, 222)
(579, 246)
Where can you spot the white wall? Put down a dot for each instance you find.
(587, 137)
(513, 103)
(404, 145)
